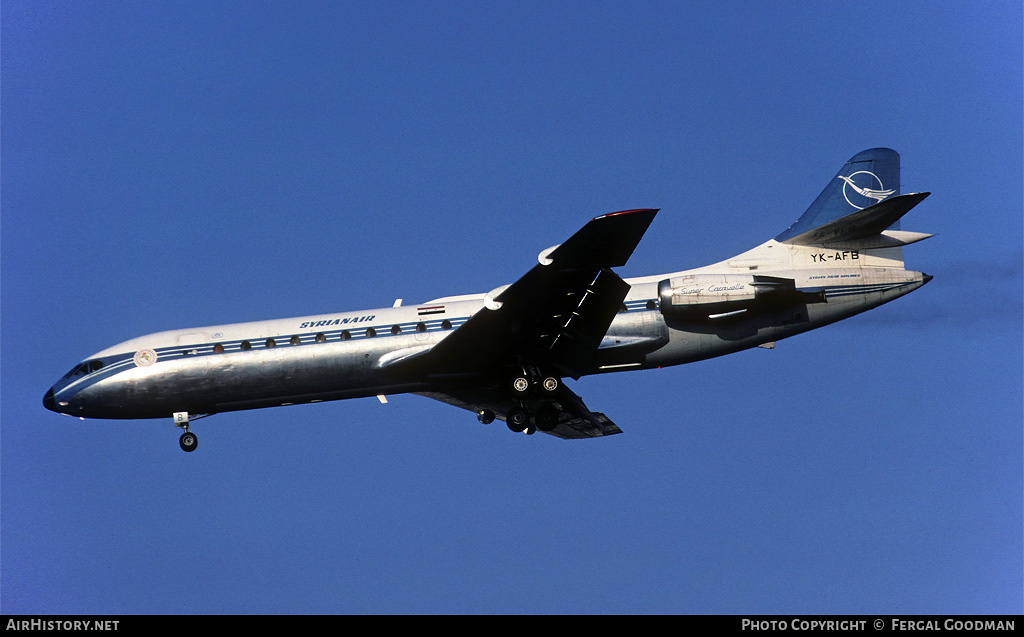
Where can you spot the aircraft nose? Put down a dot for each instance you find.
(926, 277)
(48, 400)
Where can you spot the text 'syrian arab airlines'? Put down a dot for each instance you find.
(507, 354)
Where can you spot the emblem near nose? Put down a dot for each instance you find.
(145, 358)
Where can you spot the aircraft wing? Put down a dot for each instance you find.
(554, 316)
(575, 419)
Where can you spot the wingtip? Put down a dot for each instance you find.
(629, 212)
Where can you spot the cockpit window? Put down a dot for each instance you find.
(77, 370)
(82, 369)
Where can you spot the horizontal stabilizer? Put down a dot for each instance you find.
(887, 239)
(869, 222)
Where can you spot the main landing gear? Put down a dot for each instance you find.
(532, 408)
(545, 416)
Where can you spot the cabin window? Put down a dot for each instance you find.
(370, 332)
(218, 348)
(446, 324)
(271, 343)
(395, 329)
(295, 340)
(623, 308)
(345, 335)
(320, 337)
(651, 305)
(246, 346)
(421, 327)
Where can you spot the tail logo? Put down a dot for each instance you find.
(864, 194)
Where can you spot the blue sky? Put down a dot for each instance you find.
(169, 165)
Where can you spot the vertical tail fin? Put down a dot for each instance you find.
(866, 179)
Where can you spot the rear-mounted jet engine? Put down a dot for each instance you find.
(716, 296)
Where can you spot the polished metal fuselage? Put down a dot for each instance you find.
(349, 355)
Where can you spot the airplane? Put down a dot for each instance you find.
(506, 354)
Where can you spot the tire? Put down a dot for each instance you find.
(550, 384)
(547, 417)
(520, 385)
(517, 419)
(188, 441)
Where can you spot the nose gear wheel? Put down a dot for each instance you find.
(188, 441)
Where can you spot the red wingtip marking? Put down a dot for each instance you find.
(626, 212)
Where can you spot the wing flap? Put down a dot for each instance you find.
(575, 422)
(574, 346)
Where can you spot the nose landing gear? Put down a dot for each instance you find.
(188, 440)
